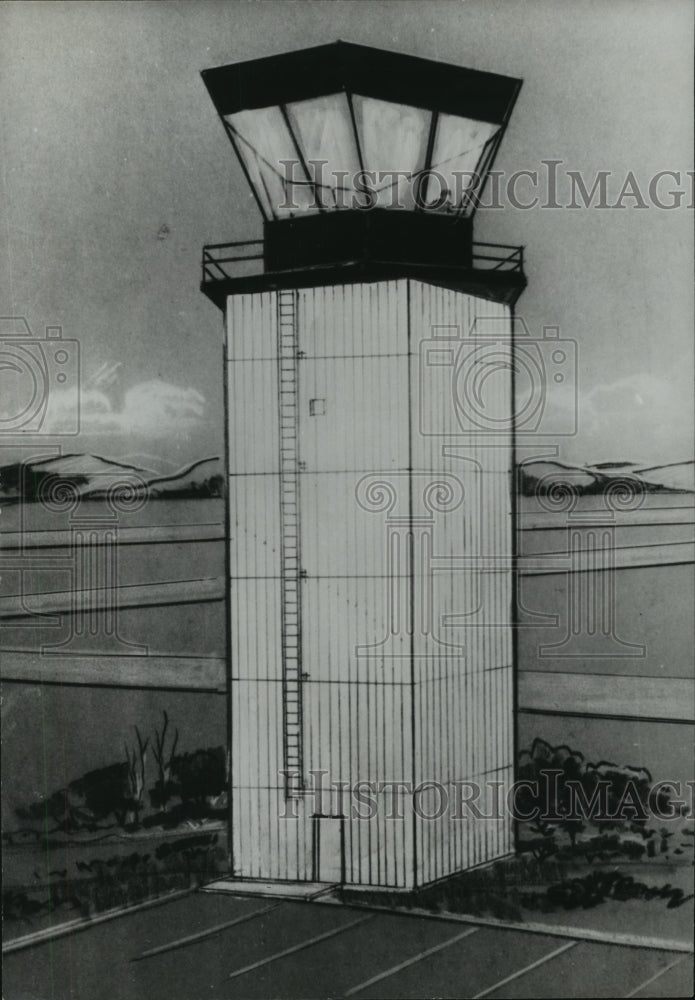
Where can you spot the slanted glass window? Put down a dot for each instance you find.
(393, 137)
(323, 130)
(460, 148)
(306, 157)
(263, 142)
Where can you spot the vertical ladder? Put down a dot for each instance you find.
(289, 545)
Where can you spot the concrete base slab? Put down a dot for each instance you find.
(280, 890)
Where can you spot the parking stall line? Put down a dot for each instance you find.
(657, 975)
(528, 968)
(202, 935)
(410, 961)
(300, 947)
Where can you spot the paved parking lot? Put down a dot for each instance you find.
(222, 946)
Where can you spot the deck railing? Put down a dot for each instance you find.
(219, 258)
(224, 261)
(498, 257)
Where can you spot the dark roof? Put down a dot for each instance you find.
(361, 69)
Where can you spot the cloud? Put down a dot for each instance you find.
(641, 418)
(157, 405)
(152, 409)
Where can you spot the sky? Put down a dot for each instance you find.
(115, 171)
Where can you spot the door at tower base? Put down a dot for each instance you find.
(370, 582)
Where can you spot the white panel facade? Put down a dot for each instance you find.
(390, 518)
(461, 379)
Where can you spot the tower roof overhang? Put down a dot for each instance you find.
(495, 286)
(361, 69)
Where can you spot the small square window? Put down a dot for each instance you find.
(317, 407)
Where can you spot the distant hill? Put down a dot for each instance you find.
(92, 477)
(202, 479)
(678, 477)
(541, 477)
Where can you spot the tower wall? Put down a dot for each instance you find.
(350, 537)
(463, 662)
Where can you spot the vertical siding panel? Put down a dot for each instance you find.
(350, 336)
